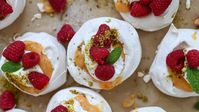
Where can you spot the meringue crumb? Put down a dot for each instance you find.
(140, 74)
(194, 36)
(41, 7)
(129, 102)
(15, 36)
(147, 78)
(36, 16)
(188, 4)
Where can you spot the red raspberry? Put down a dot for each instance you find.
(193, 58)
(99, 41)
(5, 9)
(7, 101)
(102, 29)
(30, 59)
(159, 6)
(145, 2)
(60, 108)
(175, 60)
(140, 10)
(14, 51)
(38, 80)
(99, 54)
(65, 34)
(58, 5)
(105, 72)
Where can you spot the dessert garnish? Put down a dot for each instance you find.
(143, 7)
(65, 34)
(60, 108)
(52, 6)
(7, 100)
(38, 80)
(185, 68)
(101, 44)
(5, 9)
(58, 5)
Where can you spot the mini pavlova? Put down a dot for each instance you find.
(148, 15)
(103, 53)
(149, 109)
(35, 63)
(10, 11)
(77, 99)
(175, 68)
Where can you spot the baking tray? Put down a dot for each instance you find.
(79, 12)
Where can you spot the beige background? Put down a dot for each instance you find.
(83, 10)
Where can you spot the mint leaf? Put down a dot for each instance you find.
(196, 106)
(114, 55)
(193, 78)
(10, 67)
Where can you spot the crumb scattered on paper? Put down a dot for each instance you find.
(147, 78)
(41, 7)
(188, 4)
(36, 16)
(140, 74)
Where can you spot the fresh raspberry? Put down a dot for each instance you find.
(139, 10)
(102, 29)
(105, 72)
(60, 108)
(175, 60)
(58, 5)
(5, 9)
(38, 80)
(100, 40)
(145, 2)
(159, 6)
(7, 101)
(193, 58)
(14, 51)
(30, 59)
(65, 34)
(99, 54)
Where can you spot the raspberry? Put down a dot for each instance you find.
(30, 59)
(58, 5)
(99, 54)
(7, 101)
(60, 108)
(145, 2)
(139, 10)
(5, 9)
(65, 34)
(100, 40)
(193, 58)
(159, 6)
(175, 60)
(14, 51)
(104, 72)
(38, 80)
(102, 29)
